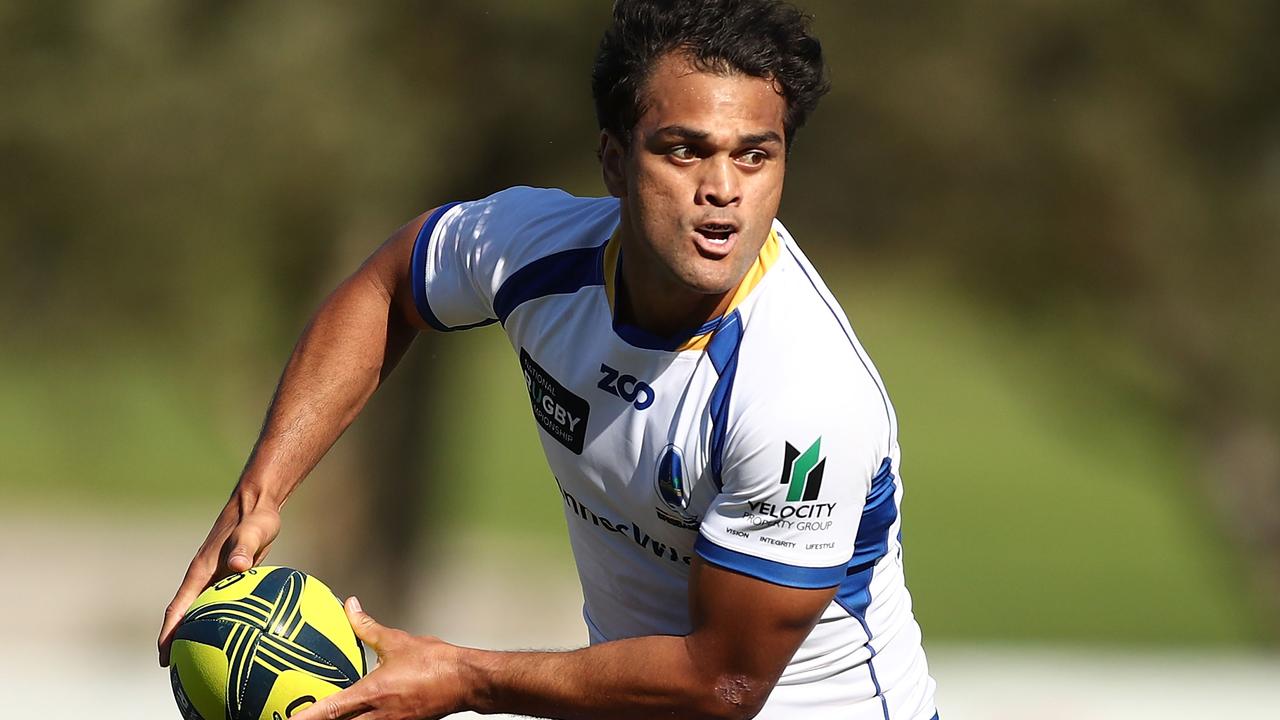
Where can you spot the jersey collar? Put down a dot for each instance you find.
(697, 338)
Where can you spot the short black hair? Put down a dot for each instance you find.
(761, 38)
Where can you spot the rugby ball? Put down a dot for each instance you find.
(262, 645)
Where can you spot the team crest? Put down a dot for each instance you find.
(673, 488)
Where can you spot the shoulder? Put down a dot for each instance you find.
(519, 215)
(498, 235)
(466, 252)
(802, 371)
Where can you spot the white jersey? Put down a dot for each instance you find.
(763, 442)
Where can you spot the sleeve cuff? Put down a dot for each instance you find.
(810, 578)
(418, 268)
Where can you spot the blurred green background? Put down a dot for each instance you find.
(1055, 225)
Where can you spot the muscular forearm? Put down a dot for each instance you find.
(745, 632)
(645, 677)
(354, 340)
(352, 343)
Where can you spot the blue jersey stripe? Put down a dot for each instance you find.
(871, 668)
(562, 273)
(878, 515)
(723, 352)
(872, 543)
(768, 570)
(642, 338)
(418, 267)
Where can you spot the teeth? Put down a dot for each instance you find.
(716, 234)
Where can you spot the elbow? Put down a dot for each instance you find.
(736, 697)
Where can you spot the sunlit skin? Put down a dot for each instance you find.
(699, 187)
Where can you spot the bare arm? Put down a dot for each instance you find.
(351, 344)
(745, 632)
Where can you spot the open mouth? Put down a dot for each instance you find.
(716, 233)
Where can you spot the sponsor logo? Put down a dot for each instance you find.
(802, 472)
(672, 486)
(627, 387)
(561, 413)
(812, 511)
(626, 529)
(799, 512)
(804, 518)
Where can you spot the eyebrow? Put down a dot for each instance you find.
(688, 133)
(685, 133)
(760, 138)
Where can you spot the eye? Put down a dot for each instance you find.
(753, 158)
(683, 153)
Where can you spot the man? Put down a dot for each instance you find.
(724, 448)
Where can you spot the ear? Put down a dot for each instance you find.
(613, 160)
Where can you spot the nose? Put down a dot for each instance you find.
(719, 183)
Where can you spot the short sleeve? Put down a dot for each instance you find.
(797, 475)
(449, 263)
(466, 252)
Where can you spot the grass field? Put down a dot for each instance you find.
(111, 429)
(1048, 498)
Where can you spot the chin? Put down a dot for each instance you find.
(709, 284)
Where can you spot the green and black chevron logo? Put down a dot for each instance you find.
(803, 472)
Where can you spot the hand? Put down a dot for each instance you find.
(417, 678)
(240, 539)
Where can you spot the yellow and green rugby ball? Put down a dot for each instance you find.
(262, 645)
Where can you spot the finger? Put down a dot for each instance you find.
(188, 591)
(367, 629)
(243, 544)
(247, 541)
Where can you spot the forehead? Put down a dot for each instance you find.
(677, 93)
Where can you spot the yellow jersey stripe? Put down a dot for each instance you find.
(769, 254)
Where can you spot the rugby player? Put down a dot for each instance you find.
(725, 450)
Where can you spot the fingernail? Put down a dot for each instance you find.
(355, 604)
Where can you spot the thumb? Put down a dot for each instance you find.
(367, 629)
(244, 542)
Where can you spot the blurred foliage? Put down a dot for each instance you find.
(1095, 183)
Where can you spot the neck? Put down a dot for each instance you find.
(668, 316)
(650, 299)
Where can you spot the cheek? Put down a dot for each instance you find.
(658, 200)
(768, 198)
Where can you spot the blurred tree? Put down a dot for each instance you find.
(188, 179)
(1107, 163)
